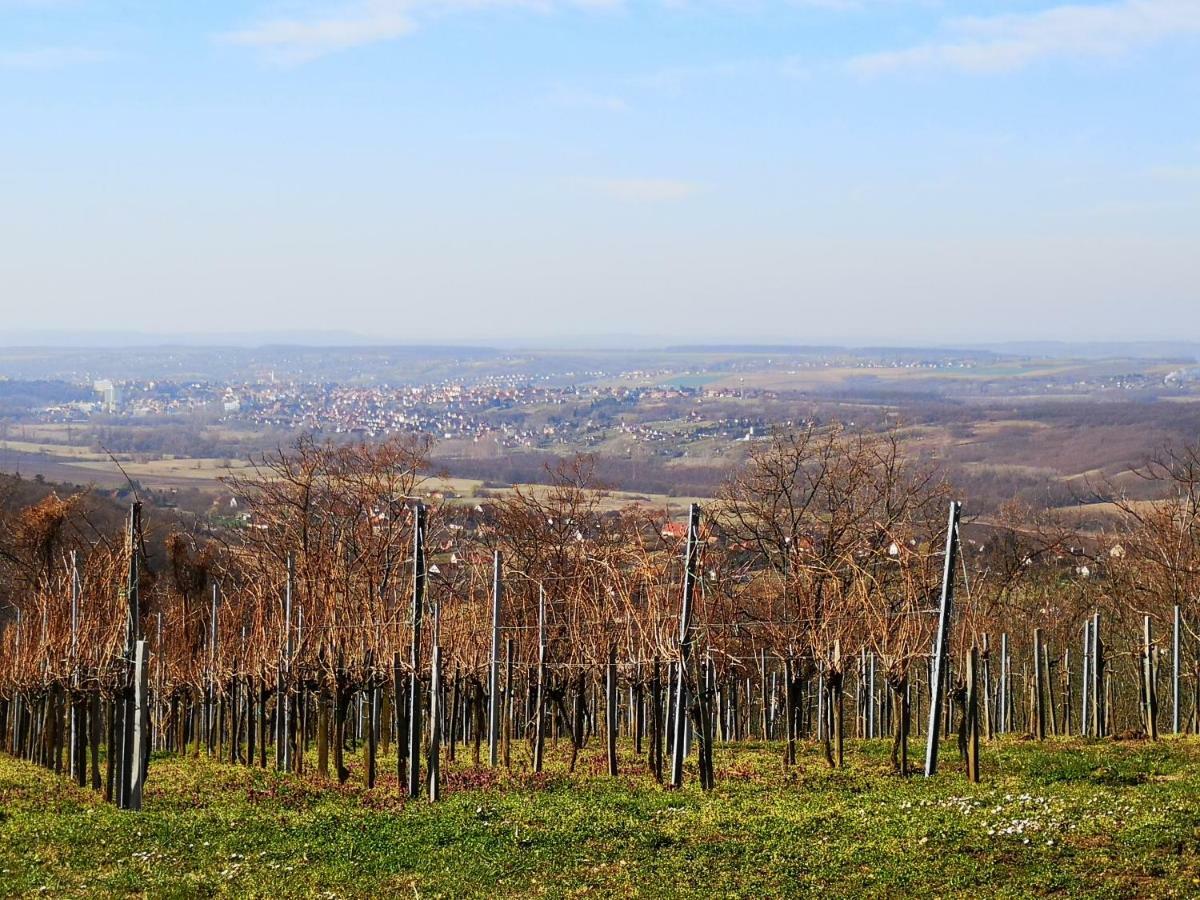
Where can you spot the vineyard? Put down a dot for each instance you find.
(353, 626)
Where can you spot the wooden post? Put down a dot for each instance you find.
(1068, 693)
(369, 745)
(656, 723)
(95, 720)
(943, 637)
(973, 716)
(435, 725)
(1047, 678)
(1039, 711)
(322, 728)
(1151, 689)
(691, 565)
(610, 710)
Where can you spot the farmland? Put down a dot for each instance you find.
(361, 669)
(1069, 818)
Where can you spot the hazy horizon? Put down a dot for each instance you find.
(86, 340)
(851, 172)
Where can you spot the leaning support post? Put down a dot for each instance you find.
(943, 637)
(678, 744)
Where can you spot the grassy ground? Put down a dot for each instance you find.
(1073, 819)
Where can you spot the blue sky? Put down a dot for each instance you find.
(704, 169)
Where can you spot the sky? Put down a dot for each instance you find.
(855, 171)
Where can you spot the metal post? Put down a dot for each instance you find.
(1151, 687)
(132, 634)
(494, 674)
(1175, 672)
(1085, 720)
(1097, 689)
(76, 745)
(679, 748)
(414, 693)
(435, 709)
(282, 703)
(943, 637)
(1002, 698)
(871, 698)
(540, 734)
(141, 722)
(1039, 709)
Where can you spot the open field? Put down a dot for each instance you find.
(1066, 818)
(62, 463)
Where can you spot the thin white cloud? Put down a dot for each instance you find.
(46, 58)
(1008, 42)
(646, 190)
(303, 39)
(360, 22)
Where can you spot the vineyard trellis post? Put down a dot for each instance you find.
(1039, 706)
(414, 694)
(282, 706)
(680, 722)
(1175, 671)
(973, 715)
(1097, 688)
(435, 708)
(1150, 690)
(141, 729)
(1085, 721)
(78, 710)
(124, 785)
(540, 726)
(494, 669)
(943, 637)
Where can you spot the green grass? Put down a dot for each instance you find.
(1071, 819)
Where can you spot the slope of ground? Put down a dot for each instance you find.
(1074, 819)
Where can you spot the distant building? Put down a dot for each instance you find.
(110, 394)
